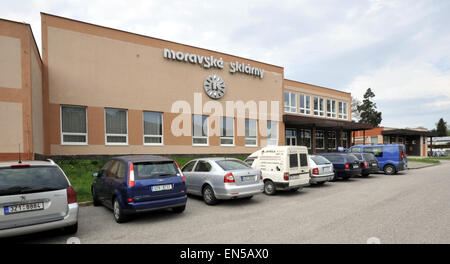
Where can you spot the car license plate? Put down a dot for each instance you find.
(247, 178)
(20, 208)
(164, 187)
(294, 177)
(326, 169)
(374, 164)
(355, 166)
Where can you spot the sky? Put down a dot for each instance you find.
(400, 49)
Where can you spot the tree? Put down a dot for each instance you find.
(441, 128)
(356, 115)
(368, 110)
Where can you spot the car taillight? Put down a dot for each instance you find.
(228, 177)
(181, 173)
(347, 166)
(315, 171)
(366, 164)
(260, 175)
(131, 176)
(401, 155)
(71, 195)
(286, 176)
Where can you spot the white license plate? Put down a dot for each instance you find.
(247, 178)
(294, 177)
(326, 169)
(164, 187)
(355, 166)
(20, 208)
(374, 164)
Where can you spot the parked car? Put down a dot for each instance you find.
(222, 178)
(391, 158)
(321, 170)
(368, 163)
(36, 196)
(142, 183)
(345, 165)
(283, 167)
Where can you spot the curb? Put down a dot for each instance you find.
(83, 204)
(425, 166)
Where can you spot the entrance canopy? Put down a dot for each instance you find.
(408, 132)
(324, 123)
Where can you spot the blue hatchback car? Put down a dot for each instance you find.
(134, 184)
(391, 158)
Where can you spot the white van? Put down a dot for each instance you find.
(282, 167)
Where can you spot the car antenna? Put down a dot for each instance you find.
(20, 160)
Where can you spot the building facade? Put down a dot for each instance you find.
(102, 91)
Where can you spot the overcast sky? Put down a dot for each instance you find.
(401, 49)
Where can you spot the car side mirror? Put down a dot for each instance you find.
(95, 174)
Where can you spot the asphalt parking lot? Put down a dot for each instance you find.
(410, 207)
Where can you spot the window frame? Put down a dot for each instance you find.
(256, 137)
(289, 106)
(322, 137)
(116, 135)
(200, 137)
(321, 110)
(331, 114)
(226, 137)
(271, 122)
(334, 138)
(304, 110)
(153, 136)
(70, 133)
(344, 114)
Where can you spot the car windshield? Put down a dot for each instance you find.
(351, 158)
(152, 170)
(319, 160)
(369, 156)
(32, 179)
(335, 158)
(228, 165)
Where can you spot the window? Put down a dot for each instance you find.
(230, 165)
(305, 104)
(189, 166)
(318, 106)
(249, 161)
(227, 131)
(305, 138)
(290, 105)
(293, 160)
(355, 150)
(374, 140)
(250, 132)
(154, 170)
(73, 125)
(303, 160)
(377, 151)
(116, 126)
(331, 108)
(291, 137)
(199, 130)
(331, 140)
(153, 122)
(203, 166)
(344, 137)
(320, 139)
(272, 133)
(343, 110)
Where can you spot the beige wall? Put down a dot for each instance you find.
(10, 63)
(36, 104)
(322, 92)
(110, 68)
(12, 127)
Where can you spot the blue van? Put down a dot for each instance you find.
(391, 158)
(134, 184)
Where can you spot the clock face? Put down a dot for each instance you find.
(214, 86)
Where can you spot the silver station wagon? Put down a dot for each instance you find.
(321, 170)
(36, 196)
(222, 178)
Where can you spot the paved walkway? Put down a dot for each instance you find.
(418, 165)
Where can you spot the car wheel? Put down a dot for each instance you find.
(389, 170)
(179, 209)
(70, 230)
(118, 213)
(208, 196)
(269, 187)
(95, 200)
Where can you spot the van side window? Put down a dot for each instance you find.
(203, 166)
(303, 160)
(293, 160)
(355, 150)
(377, 151)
